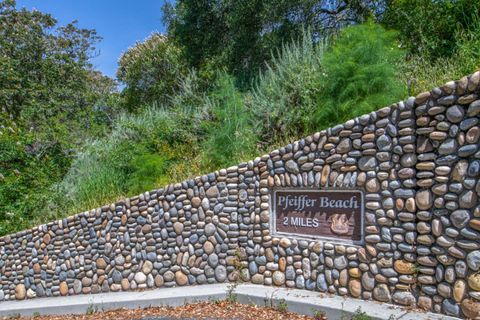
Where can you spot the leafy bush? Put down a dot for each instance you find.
(361, 74)
(190, 93)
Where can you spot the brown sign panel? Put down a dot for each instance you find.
(332, 214)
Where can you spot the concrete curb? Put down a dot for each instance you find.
(299, 301)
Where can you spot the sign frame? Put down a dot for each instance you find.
(300, 236)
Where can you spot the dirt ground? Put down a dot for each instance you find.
(204, 310)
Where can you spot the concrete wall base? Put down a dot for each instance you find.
(299, 301)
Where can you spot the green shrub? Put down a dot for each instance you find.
(286, 94)
(318, 314)
(190, 94)
(282, 306)
(135, 157)
(230, 136)
(361, 74)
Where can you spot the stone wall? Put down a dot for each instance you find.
(417, 163)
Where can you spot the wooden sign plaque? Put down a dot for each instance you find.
(329, 214)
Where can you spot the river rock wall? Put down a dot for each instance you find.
(417, 163)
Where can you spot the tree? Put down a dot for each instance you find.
(150, 71)
(48, 96)
(45, 70)
(240, 35)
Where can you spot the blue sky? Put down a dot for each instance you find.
(119, 22)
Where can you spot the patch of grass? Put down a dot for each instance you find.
(421, 73)
(319, 314)
(91, 309)
(360, 315)
(282, 306)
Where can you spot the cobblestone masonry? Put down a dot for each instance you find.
(417, 162)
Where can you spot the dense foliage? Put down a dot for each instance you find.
(430, 28)
(230, 136)
(286, 94)
(48, 91)
(239, 35)
(360, 74)
(310, 85)
(141, 152)
(230, 80)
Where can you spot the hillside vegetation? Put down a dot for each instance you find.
(230, 80)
